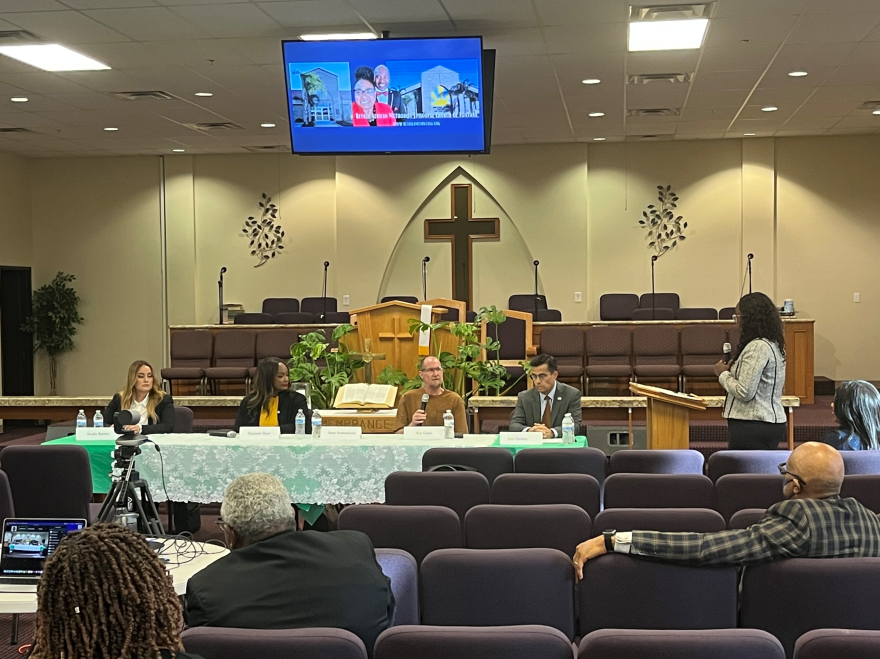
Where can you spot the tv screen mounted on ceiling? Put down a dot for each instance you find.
(389, 96)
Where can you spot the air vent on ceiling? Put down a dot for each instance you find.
(654, 112)
(263, 149)
(17, 36)
(215, 125)
(136, 96)
(649, 138)
(6, 131)
(870, 105)
(650, 78)
(670, 12)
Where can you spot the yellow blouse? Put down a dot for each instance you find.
(270, 417)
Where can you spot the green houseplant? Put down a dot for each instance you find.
(338, 369)
(53, 322)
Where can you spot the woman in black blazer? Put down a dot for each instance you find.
(143, 394)
(272, 403)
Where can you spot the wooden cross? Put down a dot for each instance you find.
(461, 230)
(368, 356)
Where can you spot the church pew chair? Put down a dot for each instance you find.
(233, 356)
(274, 305)
(458, 490)
(617, 306)
(54, 482)
(337, 317)
(658, 491)
(253, 319)
(491, 461)
(535, 305)
(735, 492)
(861, 462)
(191, 352)
(660, 313)
(234, 643)
(317, 305)
(557, 526)
(589, 461)
(547, 489)
(566, 344)
(655, 352)
(403, 572)
(667, 520)
(658, 300)
(726, 313)
(509, 642)
(835, 643)
(702, 346)
(657, 461)
(743, 519)
(722, 463)
(864, 488)
(696, 313)
(681, 644)
(609, 353)
(294, 318)
(273, 343)
(515, 336)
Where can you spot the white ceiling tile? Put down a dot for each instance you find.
(589, 65)
(68, 27)
(758, 30)
(855, 75)
(602, 37)
(238, 20)
(650, 128)
(147, 23)
(754, 111)
(391, 11)
(755, 125)
(805, 57)
(741, 8)
(525, 68)
(702, 126)
(839, 6)
(528, 41)
(30, 5)
(42, 82)
(103, 81)
(311, 13)
(798, 122)
(796, 133)
(655, 96)
(828, 28)
(815, 109)
(107, 4)
(851, 131)
(698, 136)
(779, 78)
(36, 103)
(781, 96)
(737, 57)
(724, 80)
(724, 98)
(712, 113)
(862, 119)
(30, 120)
(582, 12)
(506, 135)
(546, 132)
(864, 53)
(839, 94)
(500, 13)
(680, 61)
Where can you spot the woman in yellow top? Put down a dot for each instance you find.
(271, 402)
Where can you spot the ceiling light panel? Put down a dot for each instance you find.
(52, 57)
(667, 35)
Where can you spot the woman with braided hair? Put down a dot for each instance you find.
(105, 594)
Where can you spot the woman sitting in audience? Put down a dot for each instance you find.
(142, 394)
(856, 407)
(271, 402)
(105, 594)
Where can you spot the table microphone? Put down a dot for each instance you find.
(425, 398)
(726, 350)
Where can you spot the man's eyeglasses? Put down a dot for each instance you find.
(783, 471)
(538, 377)
(436, 369)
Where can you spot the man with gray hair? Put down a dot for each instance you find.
(279, 578)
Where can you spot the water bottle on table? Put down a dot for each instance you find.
(568, 429)
(449, 424)
(300, 423)
(81, 419)
(98, 420)
(316, 424)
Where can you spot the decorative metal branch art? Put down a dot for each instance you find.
(665, 229)
(265, 235)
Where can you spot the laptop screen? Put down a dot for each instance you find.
(27, 543)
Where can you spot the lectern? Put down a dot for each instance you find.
(667, 415)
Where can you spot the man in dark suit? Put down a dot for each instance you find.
(279, 578)
(542, 408)
(384, 93)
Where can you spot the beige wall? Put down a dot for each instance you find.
(15, 212)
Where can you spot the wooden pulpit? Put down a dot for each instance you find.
(667, 416)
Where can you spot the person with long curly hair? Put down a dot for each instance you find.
(142, 394)
(754, 379)
(856, 407)
(104, 594)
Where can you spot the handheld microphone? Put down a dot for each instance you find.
(425, 398)
(726, 350)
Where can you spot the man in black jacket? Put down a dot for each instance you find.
(279, 578)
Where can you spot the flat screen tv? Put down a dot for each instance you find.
(389, 96)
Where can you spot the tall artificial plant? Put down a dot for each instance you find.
(326, 370)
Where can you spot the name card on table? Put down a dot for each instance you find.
(341, 432)
(259, 432)
(552, 440)
(424, 432)
(96, 433)
(519, 438)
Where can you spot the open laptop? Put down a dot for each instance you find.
(27, 543)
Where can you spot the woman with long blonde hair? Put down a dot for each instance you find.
(143, 394)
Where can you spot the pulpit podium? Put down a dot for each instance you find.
(667, 416)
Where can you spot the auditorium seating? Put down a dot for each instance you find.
(494, 526)
(491, 462)
(659, 491)
(233, 356)
(681, 644)
(232, 643)
(608, 353)
(535, 305)
(660, 301)
(693, 520)
(49, 481)
(696, 313)
(655, 352)
(401, 568)
(701, 348)
(276, 305)
(566, 344)
(837, 644)
(722, 463)
(317, 305)
(739, 491)
(273, 343)
(507, 642)
(864, 488)
(252, 319)
(726, 313)
(589, 461)
(293, 318)
(533, 489)
(657, 461)
(183, 419)
(512, 336)
(660, 313)
(861, 462)
(191, 353)
(459, 490)
(617, 306)
(743, 519)
(337, 317)
(7, 507)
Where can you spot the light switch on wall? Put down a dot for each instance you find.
(577, 296)
(857, 297)
(345, 300)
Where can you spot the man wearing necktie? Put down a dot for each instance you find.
(384, 93)
(542, 408)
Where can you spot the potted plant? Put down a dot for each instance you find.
(326, 370)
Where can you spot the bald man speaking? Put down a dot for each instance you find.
(813, 522)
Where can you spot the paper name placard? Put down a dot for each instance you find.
(259, 432)
(424, 432)
(551, 440)
(340, 432)
(96, 433)
(518, 438)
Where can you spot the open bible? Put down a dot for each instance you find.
(363, 396)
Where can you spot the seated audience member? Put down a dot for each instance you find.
(142, 394)
(409, 407)
(105, 593)
(271, 401)
(542, 408)
(279, 578)
(857, 410)
(813, 522)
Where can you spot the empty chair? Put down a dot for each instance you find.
(743, 519)
(548, 316)
(273, 343)
(830, 592)
(726, 313)
(628, 592)
(458, 490)
(318, 305)
(560, 526)
(314, 643)
(539, 489)
(740, 491)
(233, 356)
(681, 644)
(483, 587)
(418, 530)
(864, 488)
(861, 462)
(191, 352)
(276, 305)
(411, 299)
(514, 642)
(655, 352)
(660, 313)
(722, 463)
(661, 461)
(253, 319)
(590, 461)
(512, 336)
(838, 643)
(702, 346)
(692, 520)
(401, 568)
(294, 318)
(566, 344)
(49, 481)
(658, 491)
(696, 313)
(183, 419)
(609, 352)
(527, 302)
(618, 306)
(490, 462)
(7, 508)
(658, 300)
(337, 317)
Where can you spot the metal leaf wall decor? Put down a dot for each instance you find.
(665, 228)
(266, 236)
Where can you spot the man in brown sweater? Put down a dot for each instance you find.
(409, 407)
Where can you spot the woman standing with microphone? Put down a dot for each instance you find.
(755, 378)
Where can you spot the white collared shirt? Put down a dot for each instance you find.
(552, 395)
(140, 408)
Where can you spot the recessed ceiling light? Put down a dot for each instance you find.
(797, 74)
(591, 81)
(267, 125)
(205, 94)
(597, 114)
(769, 108)
(52, 57)
(598, 139)
(179, 150)
(338, 36)
(111, 128)
(749, 134)
(19, 99)
(876, 112)
(667, 35)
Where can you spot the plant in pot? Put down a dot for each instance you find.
(326, 370)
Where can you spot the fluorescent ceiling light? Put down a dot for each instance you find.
(797, 74)
(52, 57)
(19, 99)
(876, 112)
(597, 114)
(748, 134)
(267, 125)
(769, 108)
(111, 128)
(205, 94)
(591, 81)
(179, 150)
(339, 36)
(598, 139)
(667, 35)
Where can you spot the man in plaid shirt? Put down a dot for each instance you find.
(812, 522)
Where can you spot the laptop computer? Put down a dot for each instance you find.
(27, 543)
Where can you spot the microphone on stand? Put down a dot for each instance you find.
(324, 294)
(726, 350)
(425, 281)
(750, 257)
(536, 263)
(220, 292)
(653, 296)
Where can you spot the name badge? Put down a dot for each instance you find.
(96, 433)
(341, 432)
(519, 438)
(259, 432)
(424, 432)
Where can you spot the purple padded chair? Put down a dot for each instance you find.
(252, 319)
(7, 507)
(514, 642)
(661, 461)
(660, 313)
(618, 306)
(655, 352)
(701, 348)
(49, 481)
(861, 462)
(743, 519)
(293, 318)
(512, 336)
(338, 317)
(317, 305)
(314, 643)
(183, 419)
(692, 520)
(628, 592)
(493, 526)
(830, 592)
(722, 463)
(542, 489)
(458, 490)
(589, 461)
(864, 488)
(487, 587)
(418, 530)
(658, 491)
(276, 305)
(838, 643)
(726, 313)
(739, 491)
(658, 300)
(566, 344)
(273, 343)
(411, 299)
(609, 352)
(696, 313)
(400, 567)
(233, 356)
(680, 644)
(491, 462)
(191, 352)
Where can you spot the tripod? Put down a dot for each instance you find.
(130, 495)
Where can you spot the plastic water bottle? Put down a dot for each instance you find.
(567, 429)
(98, 420)
(300, 423)
(81, 419)
(316, 424)
(449, 424)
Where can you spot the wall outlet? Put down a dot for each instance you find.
(577, 296)
(345, 300)
(857, 297)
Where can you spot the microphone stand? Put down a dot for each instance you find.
(751, 256)
(324, 294)
(220, 292)
(653, 295)
(425, 277)
(536, 263)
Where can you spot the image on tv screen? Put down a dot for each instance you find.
(385, 96)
